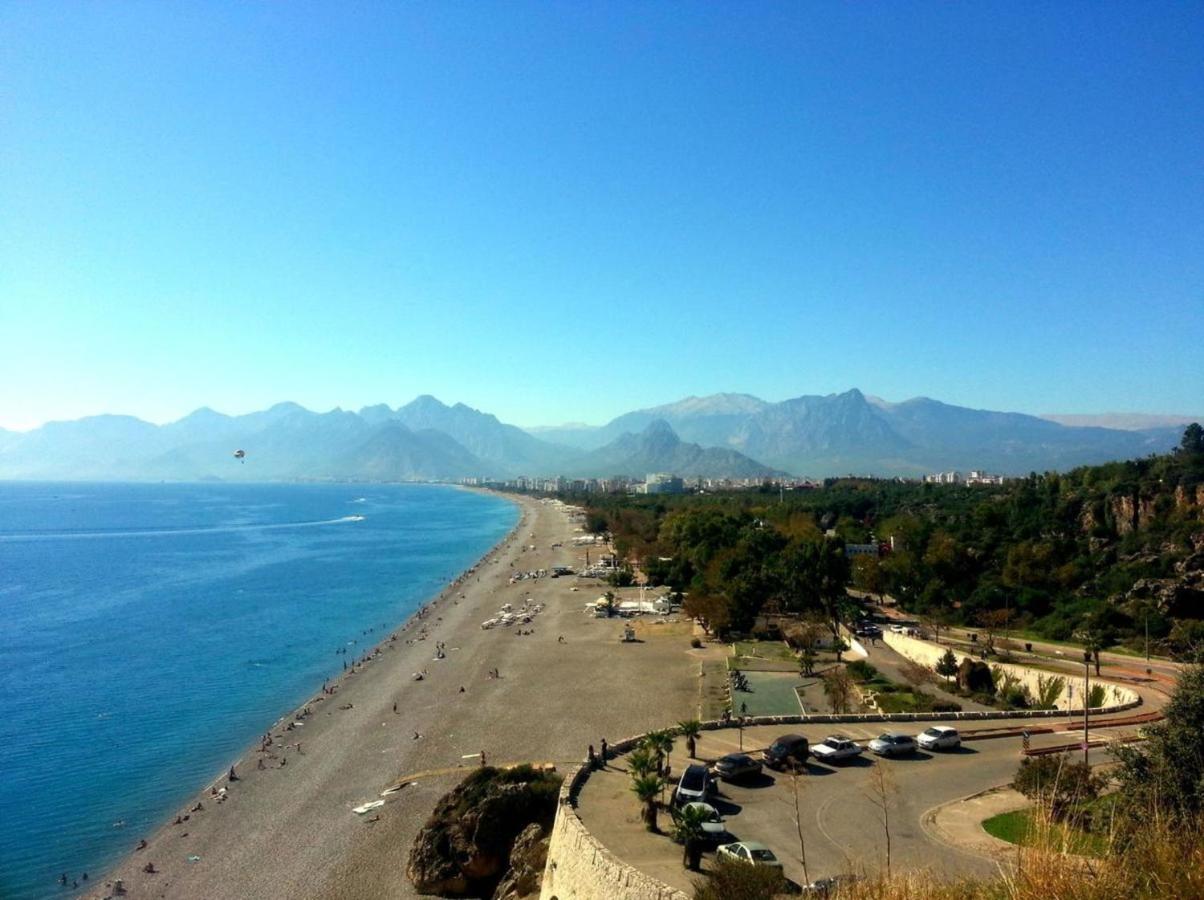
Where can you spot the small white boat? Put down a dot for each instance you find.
(368, 807)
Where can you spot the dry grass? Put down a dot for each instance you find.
(1157, 862)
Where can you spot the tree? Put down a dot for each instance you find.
(868, 575)
(647, 788)
(660, 743)
(733, 880)
(1058, 783)
(687, 831)
(1094, 636)
(641, 761)
(838, 688)
(946, 666)
(1165, 775)
(992, 621)
(691, 730)
(609, 604)
(882, 789)
(795, 789)
(840, 647)
(1192, 442)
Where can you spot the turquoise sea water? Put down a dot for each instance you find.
(149, 633)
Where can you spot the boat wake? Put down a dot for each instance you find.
(22, 536)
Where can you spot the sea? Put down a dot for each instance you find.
(150, 632)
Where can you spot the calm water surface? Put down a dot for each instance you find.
(148, 633)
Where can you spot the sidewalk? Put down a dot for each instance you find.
(958, 824)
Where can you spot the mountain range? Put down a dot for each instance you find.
(723, 435)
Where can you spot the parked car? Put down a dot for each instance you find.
(898, 629)
(695, 784)
(750, 852)
(713, 828)
(788, 751)
(835, 748)
(736, 765)
(892, 743)
(826, 887)
(939, 737)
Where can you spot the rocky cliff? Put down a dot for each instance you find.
(466, 847)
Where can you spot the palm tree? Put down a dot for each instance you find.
(687, 830)
(660, 743)
(641, 761)
(648, 788)
(690, 729)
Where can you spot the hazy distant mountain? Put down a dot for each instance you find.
(504, 446)
(852, 433)
(658, 449)
(1123, 421)
(704, 420)
(733, 435)
(394, 452)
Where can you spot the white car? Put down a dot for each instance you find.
(749, 852)
(836, 747)
(939, 737)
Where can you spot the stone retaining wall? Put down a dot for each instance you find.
(926, 653)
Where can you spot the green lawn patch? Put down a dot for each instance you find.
(764, 650)
(1022, 827)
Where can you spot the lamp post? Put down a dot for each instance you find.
(1086, 705)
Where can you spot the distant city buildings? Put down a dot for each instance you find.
(653, 483)
(661, 483)
(976, 476)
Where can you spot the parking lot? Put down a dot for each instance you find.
(841, 823)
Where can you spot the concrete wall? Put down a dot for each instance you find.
(580, 868)
(927, 653)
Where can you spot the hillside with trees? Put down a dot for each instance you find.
(1097, 553)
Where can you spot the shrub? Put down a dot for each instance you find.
(696, 643)
(861, 671)
(732, 880)
(1057, 783)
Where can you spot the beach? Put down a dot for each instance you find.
(286, 826)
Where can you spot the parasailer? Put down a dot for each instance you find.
(240, 455)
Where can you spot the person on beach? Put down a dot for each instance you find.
(232, 776)
(482, 758)
(395, 707)
(593, 758)
(605, 752)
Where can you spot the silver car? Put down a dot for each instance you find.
(939, 737)
(750, 852)
(893, 743)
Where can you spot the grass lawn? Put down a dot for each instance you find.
(1022, 827)
(763, 650)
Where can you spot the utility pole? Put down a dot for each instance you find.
(1147, 637)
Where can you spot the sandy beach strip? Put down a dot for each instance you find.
(286, 827)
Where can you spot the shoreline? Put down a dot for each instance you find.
(291, 826)
(357, 667)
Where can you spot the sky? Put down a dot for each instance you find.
(561, 212)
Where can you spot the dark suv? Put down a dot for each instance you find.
(788, 751)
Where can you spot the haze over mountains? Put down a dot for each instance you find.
(724, 435)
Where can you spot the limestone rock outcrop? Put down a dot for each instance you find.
(464, 850)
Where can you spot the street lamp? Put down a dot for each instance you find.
(1086, 705)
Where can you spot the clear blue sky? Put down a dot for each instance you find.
(563, 211)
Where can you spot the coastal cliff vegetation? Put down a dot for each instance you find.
(1100, 554)
(488, 836)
